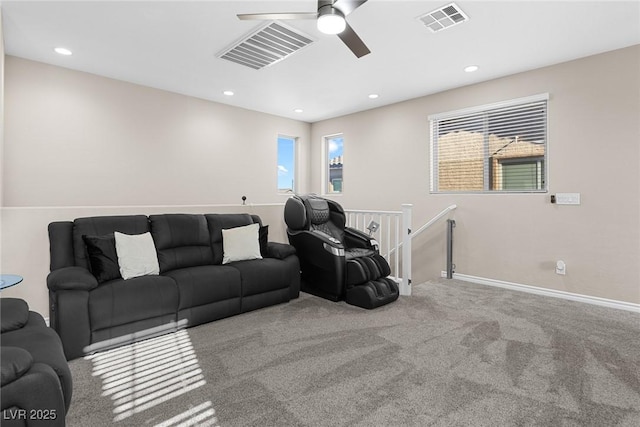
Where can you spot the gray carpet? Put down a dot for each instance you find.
(453, 354)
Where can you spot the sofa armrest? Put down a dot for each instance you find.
(279, 250)
(71, 278)
(14, 314)
(15, 363)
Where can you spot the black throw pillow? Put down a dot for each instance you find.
(103, 257)
(263, 238)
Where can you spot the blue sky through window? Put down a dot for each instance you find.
(335, 147)
(286, 163)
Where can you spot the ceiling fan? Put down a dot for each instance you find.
(330, 20)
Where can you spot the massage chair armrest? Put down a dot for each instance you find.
(358, 239)
(71, 278)
(329, 244)
(279, 250)
(317, 247)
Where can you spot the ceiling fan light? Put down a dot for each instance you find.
(331, 21)
(63, 51)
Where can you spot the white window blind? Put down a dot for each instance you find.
(497, 147)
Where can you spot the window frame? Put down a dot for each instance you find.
(487, 109)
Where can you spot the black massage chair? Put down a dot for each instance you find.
(337, 262)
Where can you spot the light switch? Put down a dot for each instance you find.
(567, 198)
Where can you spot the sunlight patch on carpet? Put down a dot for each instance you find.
(149, 373)
(202, 415)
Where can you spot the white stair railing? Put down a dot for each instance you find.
(394, 233)
(433, 220)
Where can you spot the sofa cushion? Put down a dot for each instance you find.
(263, 239)
(123, 301)
(182, 240)
(136, 255)
(219, 222)
(240, 243)
(103, 225)
(103, 258)
(263, 275)
(206, 284)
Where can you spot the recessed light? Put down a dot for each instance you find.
(228, 92)
(298, 110)
(471, 68)
(373, 96)
(63, 51)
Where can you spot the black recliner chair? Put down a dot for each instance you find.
(36, 379)
(337, 262)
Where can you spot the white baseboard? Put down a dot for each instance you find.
(620, 305)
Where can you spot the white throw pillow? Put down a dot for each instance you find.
(240, 243)
(136, 255)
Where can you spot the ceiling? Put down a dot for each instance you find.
(173, 46)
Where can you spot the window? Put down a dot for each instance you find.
(499, 147)
(286, 164)
(524, 174)
(334, 145)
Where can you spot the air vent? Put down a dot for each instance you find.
(445, 17)
(270, 44)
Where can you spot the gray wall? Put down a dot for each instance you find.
(76, 144)
(80, 145)
(1, 133)
(594, 135)
(76, 139)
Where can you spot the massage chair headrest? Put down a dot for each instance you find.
(295, 214)
(302, 211)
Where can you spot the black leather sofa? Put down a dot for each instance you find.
(36, 380)
(193, 286)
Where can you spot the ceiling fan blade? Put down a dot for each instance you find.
(348, 6)
(353, 42)
(277, 16)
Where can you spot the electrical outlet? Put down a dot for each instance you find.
(561, 268)
(567, 198)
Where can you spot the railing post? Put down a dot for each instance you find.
(450, 265)
(405, 286)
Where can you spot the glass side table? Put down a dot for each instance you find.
(8, 280)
